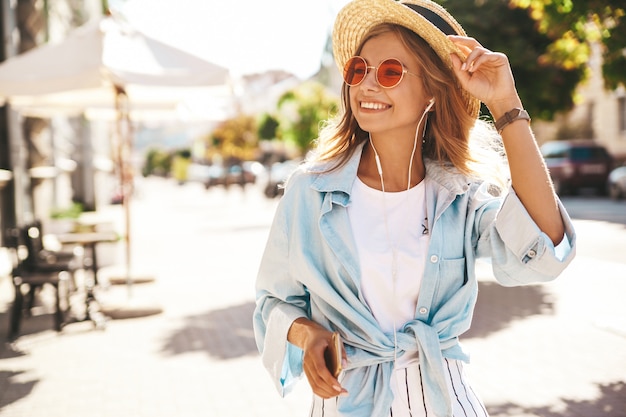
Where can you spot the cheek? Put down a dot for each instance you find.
(412, 100)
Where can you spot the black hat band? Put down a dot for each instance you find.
(433, 18)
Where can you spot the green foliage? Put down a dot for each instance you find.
(184, 153)
(236, 138)
(302, 111)
(574, 25)
(614, 58)
(268, 127)
(72, 212)
(159, 162)
(544, 86)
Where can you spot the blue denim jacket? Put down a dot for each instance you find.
(310, 269)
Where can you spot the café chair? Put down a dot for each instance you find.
(35, 267)
(40, 259)
(23, 276)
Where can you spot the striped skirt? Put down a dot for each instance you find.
(409, 395)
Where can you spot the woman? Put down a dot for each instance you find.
(377, 235)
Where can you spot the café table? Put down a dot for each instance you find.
(89, 240)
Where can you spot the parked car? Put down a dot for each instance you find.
(617, 183)
(216, 175)
(577, 164)
(238, 174)
(244, 174)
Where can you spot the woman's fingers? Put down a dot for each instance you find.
(322, 382)
(479, 56)
(484, 74)
(465, 41)
(475, 54)
(472, 50)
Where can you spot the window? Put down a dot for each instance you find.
(587, 153)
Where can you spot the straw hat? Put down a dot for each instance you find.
(427, 19)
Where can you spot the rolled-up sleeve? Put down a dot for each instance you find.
(521, 252)
(282, 360)
(280, 300)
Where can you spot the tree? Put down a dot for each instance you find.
(545, 87)
(235, 139)
(159, 162)
(302, 110)
(575, 25)
(268, 127)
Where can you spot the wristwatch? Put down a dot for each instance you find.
(511, 116)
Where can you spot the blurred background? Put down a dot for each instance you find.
(176, 122)
(62, 147)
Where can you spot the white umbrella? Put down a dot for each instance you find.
(81, 71)
(108, 65)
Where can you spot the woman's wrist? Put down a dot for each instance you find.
(300, 330)
(511, 116)
(500, 107)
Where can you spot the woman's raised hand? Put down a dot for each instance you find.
(484, 74)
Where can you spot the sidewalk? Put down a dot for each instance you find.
(553, 350)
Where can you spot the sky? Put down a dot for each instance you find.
(246, 36)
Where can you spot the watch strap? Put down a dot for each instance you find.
(511, 116)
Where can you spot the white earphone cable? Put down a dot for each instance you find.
(392, 243)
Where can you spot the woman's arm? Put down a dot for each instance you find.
(487, 75)
(280, 316)
(314, 339)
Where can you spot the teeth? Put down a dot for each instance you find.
(373, 106)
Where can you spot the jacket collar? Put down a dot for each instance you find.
(339, 181)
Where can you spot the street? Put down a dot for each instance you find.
(554, 350)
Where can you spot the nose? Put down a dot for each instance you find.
(370, 80)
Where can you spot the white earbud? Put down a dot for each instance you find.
(431, 103)
(380, 168)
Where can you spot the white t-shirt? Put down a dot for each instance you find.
(405, 237)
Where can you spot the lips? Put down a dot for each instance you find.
(374, 105)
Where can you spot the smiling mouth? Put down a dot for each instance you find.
(374, 106)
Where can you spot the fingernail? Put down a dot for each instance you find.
(464, 66)
(337, 388)
(344, 394)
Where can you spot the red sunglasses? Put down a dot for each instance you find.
(389, 73)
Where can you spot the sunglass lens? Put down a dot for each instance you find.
(354, 71)
(390, 73)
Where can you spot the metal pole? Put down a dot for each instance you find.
(8, 218)
(124, 135)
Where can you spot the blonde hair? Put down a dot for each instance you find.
(453, 136)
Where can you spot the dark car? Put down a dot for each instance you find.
(577, 164)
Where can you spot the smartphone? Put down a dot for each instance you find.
(333, 356)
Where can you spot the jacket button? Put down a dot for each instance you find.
(423, 310)
(434, 259)
(532, 253)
